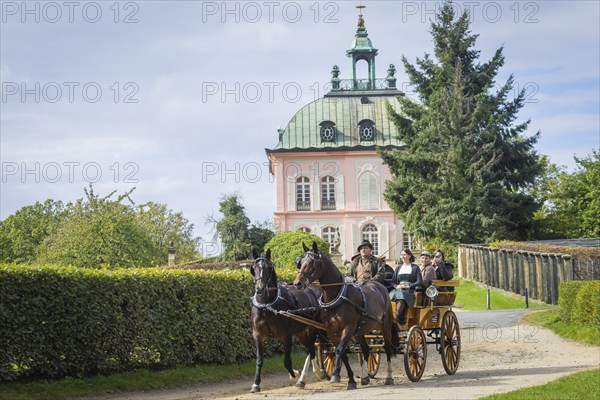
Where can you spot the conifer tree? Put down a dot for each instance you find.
(468, 162)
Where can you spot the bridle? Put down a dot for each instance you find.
(316, 265)
(260, 277)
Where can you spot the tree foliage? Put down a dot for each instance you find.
(464, 173)
(260, 234)
(165, 226)
(233, 229)
(22, 232)
(99, 231)
(286, 246)
(571, 200)
(95, 231)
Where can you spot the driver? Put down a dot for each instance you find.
(365, 266)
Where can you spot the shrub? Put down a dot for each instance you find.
(579, 303)
(66, 321)
(286, 246)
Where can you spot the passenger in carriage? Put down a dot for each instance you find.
(426, 267)
(365, 266)
(443, 270)
(407, 278)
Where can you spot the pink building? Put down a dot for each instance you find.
(329, 177)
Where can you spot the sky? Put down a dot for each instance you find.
(179, 99)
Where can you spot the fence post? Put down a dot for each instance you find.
(526, 299)
(488, 298)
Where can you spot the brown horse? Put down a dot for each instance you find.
(348, 311)
(269, 299)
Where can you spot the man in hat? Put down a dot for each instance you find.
(365, 266)
(426, 267)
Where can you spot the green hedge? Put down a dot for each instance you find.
(64, 321)
(579, 303)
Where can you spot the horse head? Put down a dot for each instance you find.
(263, 271)
(309, 266)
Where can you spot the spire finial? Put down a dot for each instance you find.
(361, 20)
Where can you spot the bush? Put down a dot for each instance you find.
(286, 246)
(579, 303)
(66, 321)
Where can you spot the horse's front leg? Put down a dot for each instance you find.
(364, 347)
(342, 356)
(301, 382)
(287, 356)
(259, 362)
(308, 341)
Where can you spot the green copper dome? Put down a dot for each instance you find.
(353, 115)
(345, 113)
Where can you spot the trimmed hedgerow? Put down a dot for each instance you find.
(579, 303)
(64, 321)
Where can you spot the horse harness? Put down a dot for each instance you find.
(341, 298)
(293, 308)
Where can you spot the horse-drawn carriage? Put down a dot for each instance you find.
(430, 321)
(350, 318)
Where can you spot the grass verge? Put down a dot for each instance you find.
(581, 385)
(142, 379)
(549, 319)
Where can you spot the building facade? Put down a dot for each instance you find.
(329, 178)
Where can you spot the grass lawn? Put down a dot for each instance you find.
(142, 379)
(581, 385)
(474, 297)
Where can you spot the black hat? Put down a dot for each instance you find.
(363, 244)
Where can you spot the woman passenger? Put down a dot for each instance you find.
(407, 277)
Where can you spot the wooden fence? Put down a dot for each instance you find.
(515, 271)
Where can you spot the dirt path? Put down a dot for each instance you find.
(493, 360)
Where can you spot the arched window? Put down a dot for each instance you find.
(369, 191)
(407, 241)
(328, 235)
(328, 131)
(369, 232)
(304, 229)
(302, 194)
(328, 193)
(366, 130)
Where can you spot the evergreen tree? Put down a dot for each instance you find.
(464, 173)
(260, 233)
(233, 229)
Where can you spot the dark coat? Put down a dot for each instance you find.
(415, 277)
(377, 268)
(444, 272)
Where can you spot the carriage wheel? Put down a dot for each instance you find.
(326, 359)
(372, 363)
(450, 342)
(415, 353)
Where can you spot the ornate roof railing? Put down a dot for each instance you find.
(359, 84)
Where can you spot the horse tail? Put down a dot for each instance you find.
(395, 338)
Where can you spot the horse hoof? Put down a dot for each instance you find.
(300, 385)
(255, 389)
(364, 381)
(321, 374)
(389, 381)
(351, 385)
(335, 379)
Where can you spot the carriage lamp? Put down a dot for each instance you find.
(431, 292)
